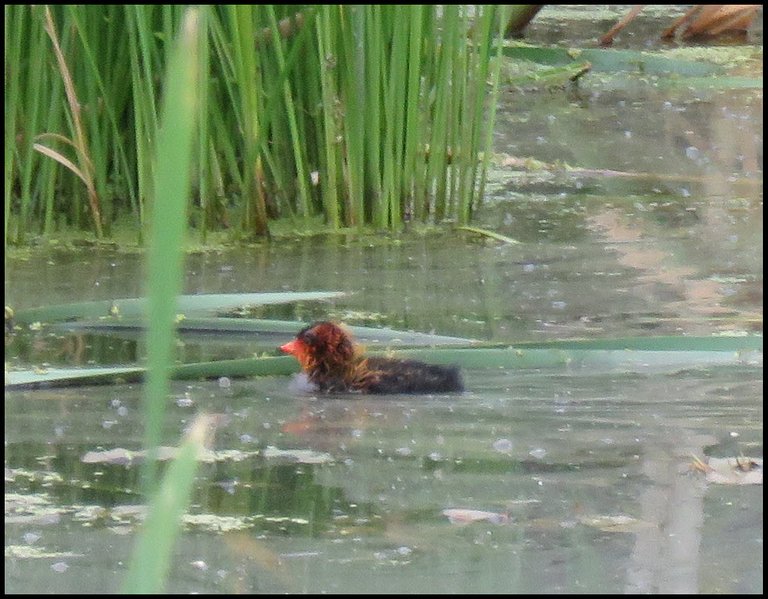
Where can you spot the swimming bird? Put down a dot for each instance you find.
(332, 363)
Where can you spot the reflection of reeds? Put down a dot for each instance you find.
(362, 114)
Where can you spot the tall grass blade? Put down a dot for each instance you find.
(169, 209)
(331, 127)
(142, 57)
(488, 126)
(302, 174)
(249, 106)
(79, 141)
(152, 557)
(13, 32)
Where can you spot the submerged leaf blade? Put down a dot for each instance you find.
(135, 307)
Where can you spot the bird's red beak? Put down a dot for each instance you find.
(292, 347)
(299, 350)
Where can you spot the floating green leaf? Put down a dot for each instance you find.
(719, 343)
(521, 357)
(642, 353)
(134, 307)
(59, 377)
(278, 329)
(487, 233)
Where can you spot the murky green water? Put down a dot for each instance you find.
(577, 480)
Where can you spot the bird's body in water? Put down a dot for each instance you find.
(332, 363)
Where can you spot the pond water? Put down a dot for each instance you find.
(534, 480)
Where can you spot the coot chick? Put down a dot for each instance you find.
(332, 363)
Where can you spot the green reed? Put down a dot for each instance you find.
(13, 22)
(27, 111)
(169, 499)
(365, 115)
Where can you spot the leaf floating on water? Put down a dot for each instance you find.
(619, 523)
(731, 471)
(26, 552)
(214, 523)
(466, 516)
(128, 514)
(269, 329)
(666, 352)
(303, 456)
(110, 456)
(487, 233)
(58, 377)
(35, 509)
(136, 307)
(126, 457)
